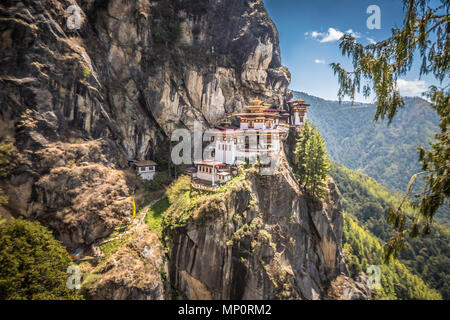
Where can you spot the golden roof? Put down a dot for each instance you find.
(257, 114)
(255, 107)
(256, 102)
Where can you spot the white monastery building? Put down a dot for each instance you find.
(259, 133)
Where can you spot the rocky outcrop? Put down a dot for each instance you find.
(263, 239)
(345, 288)
(132, 273)
(131, 73)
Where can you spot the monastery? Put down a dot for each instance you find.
(259, 134)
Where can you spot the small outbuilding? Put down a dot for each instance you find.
(146, 169)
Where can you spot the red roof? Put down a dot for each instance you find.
(226, 128)
(209, 163)
(256, 114)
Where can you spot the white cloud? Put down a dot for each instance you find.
(372, 41)
(316, 34)
(319, 61)
(332, 35)
(411, 88)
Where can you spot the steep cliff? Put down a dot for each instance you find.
(76, 104)
(130, 74)
(260, 237)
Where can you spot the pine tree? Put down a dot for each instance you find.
(377, 67)
(33, 264)
(300, 149)
(314, 165)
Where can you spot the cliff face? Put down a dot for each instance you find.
(77, 104)
(263, 238)
(131, 73)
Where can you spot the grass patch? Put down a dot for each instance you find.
(155, 214)
(186, 204)
(90, 280)
(112, 247)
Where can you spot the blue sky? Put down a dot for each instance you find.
(309, 33)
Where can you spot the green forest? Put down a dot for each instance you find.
(386, 153)
(366, 202)
(397, 282)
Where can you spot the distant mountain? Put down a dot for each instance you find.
(386, 153)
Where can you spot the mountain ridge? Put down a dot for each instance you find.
(388, 153)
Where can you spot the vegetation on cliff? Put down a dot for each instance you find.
(155, 214)
(367, 202)
(313, 165)
(5, 151)
(33, 264)
(186, 203)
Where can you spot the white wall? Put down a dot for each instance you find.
(148, 175)
(259, 125)
(204, 176)
(244, 125)
(297, 119)
(228, 155)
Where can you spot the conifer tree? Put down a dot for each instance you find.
(377, 67)
(313, 165)
(300, 149)
(33, 264)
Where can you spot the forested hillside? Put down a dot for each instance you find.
(386, 153)
(366, 201)
(397, 282)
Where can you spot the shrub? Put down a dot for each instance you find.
(86, 72)
(160, 180)
(177, 31)
(33, 264)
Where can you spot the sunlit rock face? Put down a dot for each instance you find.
(264, 239)
(126, 76)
